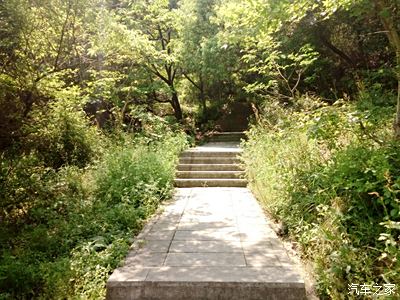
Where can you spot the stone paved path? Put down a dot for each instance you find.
(202, 239)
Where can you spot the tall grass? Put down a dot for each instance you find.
(64, 230)
(331, 174)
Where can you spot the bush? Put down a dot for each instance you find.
(61, 135)
(131, 172)
(63, 231)
(331, 175)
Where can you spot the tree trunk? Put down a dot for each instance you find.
(203, 98)
(203, 103)
(176, 106)
(202, 95)
(396, 125)
(169, 80)
(389, 24)
(27, 99)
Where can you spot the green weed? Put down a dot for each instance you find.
(331, 175)
(63, 231)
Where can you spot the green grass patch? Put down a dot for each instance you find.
(331, 174)
(63, 231)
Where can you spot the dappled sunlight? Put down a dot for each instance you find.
(214, 236)
(106, 106)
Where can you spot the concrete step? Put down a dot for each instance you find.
(203, 153)
(227, 137)
(208, 160)
(223, 140)
(280, 284)
(210, 182)
(209, 174)
(209, 167)
(208, 244)
(231, 134)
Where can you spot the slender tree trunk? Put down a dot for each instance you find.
(389, 24)
(202, 94)
(176, 106)
(203, 98)
(203, 102)
(396, 125)
(325, 41)
(169, 80)
(27, 99)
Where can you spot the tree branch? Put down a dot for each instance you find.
(160, 34)
(335, 50)
(369, 134)
(168, 69)
(60, 44)
(158, 74)
(297, 82)
(191, 80)
(174, 74)
(285, 80)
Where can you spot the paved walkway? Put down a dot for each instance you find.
(207, 235)
(208, 243)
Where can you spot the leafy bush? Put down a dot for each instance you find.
(61, 134)
(63, 231)
(331, 175)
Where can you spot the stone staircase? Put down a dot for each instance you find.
(215, 164)
(208, 243)
(226, 137)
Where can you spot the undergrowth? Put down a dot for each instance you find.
(69, 211)
(331, 174)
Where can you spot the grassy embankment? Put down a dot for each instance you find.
(331, 175)
(72, 199)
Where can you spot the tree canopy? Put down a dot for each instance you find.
(162, 53)
(98, 97)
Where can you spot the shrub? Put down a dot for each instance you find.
(63, 231)
(61, 135)
(331, 175)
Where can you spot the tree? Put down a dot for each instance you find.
(386, 11)
(267, 31)
(196, 35)
(40, 47)
(268, 67)
(153, 27)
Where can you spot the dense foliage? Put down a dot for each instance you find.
(64, 230)
(322, 156)
(95, 96)
(332, 179)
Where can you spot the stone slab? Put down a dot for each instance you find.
(165, 225)
(205, 246)
(204, 225)
(205, 259)
(257, 235)
(210, 243)
(152, 245)
(220, 234)
(205, 291)
(251, 220)
(160, 235)
(209, 167)
(209, 182)
(209, 218)
(145, 259)
(126, 274)
(269, 245)
(226, 274)
(262, 259)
